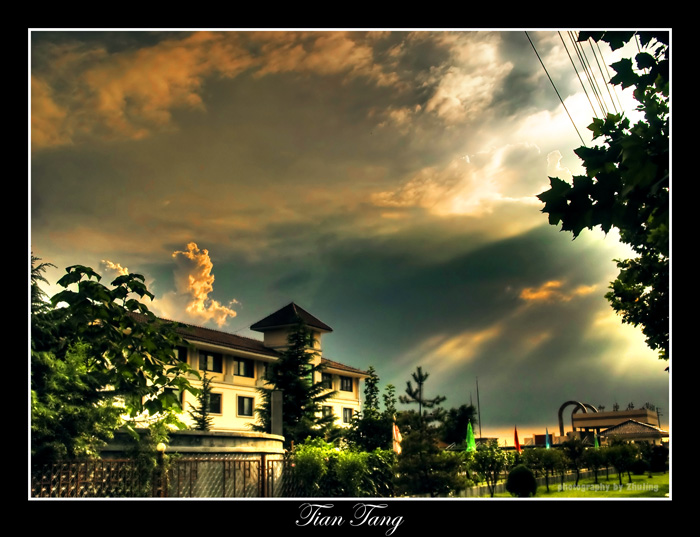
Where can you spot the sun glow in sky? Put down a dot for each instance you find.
(386, 181)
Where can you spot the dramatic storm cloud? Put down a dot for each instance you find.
(386, 181)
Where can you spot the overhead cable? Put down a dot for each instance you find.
(583, 86)
(555, 87)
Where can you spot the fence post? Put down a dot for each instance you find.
(263, 475)
(160, 471)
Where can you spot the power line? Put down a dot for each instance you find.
(585, 64)
(583, 86)
(592, 79)
(607, 73)
(555, 87)
(607, 86)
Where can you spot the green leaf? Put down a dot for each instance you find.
(626, 75)
(645, 61)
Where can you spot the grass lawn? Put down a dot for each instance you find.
(642, 486)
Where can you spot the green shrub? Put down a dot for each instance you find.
(521, 482)
(320, 469)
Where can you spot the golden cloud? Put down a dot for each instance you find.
(116, 267)
(552, 291)
(48, 117)
(130, 94)
(195, 280)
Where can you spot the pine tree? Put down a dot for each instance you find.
(200, 414)
(423, 468)
(302, 398)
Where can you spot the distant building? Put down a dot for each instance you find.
(587, 422)
(634, 431)
(598, 421)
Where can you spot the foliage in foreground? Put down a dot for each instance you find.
(98, 355)
(627, 187)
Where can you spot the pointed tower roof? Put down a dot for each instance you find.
(290, 315)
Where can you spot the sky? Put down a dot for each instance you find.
(383, 180)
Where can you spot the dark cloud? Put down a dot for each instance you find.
(391, 194)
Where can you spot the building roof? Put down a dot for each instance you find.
(232, 341)
(342, 367)
(224, 339)
(290, 315)
(201, 334)
(635, 429)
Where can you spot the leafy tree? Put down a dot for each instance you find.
(553, 461)
(655, 455)
(489, 462)
(594, 460)
(371, 428)
(626, 186)
(302, 397)
(455, 422)
(92, 348)
(200, 414)
(574, 451)
(621, 456)
(532, 458)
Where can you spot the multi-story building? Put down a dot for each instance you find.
(237, 367)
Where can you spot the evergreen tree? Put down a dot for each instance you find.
(423, 468)
(302, 398)
(372, 428)
(415, 395)
(200, 414)
(390, 400)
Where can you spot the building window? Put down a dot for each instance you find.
(215, 403)
(210, 361)
(245, 406)
(347, 415)
(327, 411)
(181, 354)
(346, 384)
(243, 367)
(327, 381)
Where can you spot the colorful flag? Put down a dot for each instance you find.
(471, 442)
(396, 435)
(517, 443)
(546, 437)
